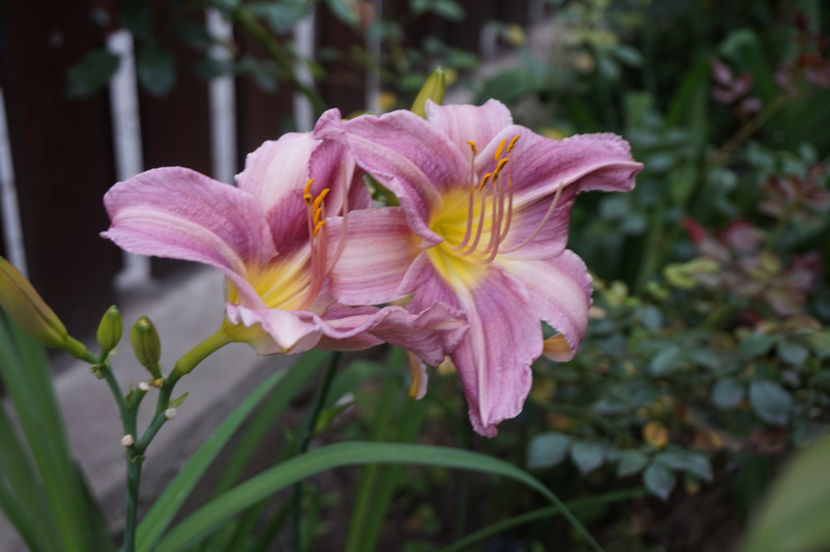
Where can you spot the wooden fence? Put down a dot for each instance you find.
(62, 149)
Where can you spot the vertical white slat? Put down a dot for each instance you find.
(126, 132)
(12, 230)
(222, 97)
(304, 45)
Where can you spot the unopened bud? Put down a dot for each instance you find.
(127, 440)
(170, 413)
(26, 307)
(143, 386)
(146, 345)
(433, 89)
(109, 330)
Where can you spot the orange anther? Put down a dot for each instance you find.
(499, 167)
(307, 190)
(512, 143)
(318, 226)
(484, 180)
(473, 147)
(499, 150)
(319, 199)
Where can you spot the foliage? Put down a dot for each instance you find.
(707, 351)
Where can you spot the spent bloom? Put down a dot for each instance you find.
(481, 227)
(276, 237)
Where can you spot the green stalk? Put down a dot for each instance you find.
(135, 452)
(305, 439)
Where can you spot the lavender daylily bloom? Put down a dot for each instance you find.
(276, 238)
(482, 227)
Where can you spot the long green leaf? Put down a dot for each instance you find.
(211, 516)
(253, 436)
(23, 484)
(25, 372)
(378, 483)
(16, 514)
(264, 419)
(541, 513)
(162, 512)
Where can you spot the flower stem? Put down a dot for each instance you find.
(133, 482)
(135, 452)
(305, 439)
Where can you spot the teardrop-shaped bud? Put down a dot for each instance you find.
(109, 330)
(26, 307)
(433, 89)
(146, 345)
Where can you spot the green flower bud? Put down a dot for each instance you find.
(146, 345)
(109, 330)
(433, 89)
(25, 306)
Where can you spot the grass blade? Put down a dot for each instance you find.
(26, 375)
(213, 514)
(168, 504)
(541, 513)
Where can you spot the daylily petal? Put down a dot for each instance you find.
(536, 232)
(463, 123)
(378, 248)
(278, 331)
(429, 334)
(407, 155)
(277, 168)
(560, 292)
(179, 213)
(538, 166)
(494, 358)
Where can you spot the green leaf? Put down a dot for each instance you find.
(156, 69)
(209, 67)
(283, 16)
(178, 401)
(27, 378)
(264, 419)
(166, 506)
(344, 11)
(727, 393)
(194, 33)
(819, 343)
(628, 55)
(448, 9)
(666, 361)
(631, 462)
(91, 74)
(210, 516)
(755, 345)
(793, 517)
(224, 6)
(659, 479)
(587, 455)
(547, 450)
(137, 17)
(770, 401)
(793, 354)
(541, 513)
(692, 462)
(378, 483)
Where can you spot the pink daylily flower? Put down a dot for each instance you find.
(276, 238)
(482, 227)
